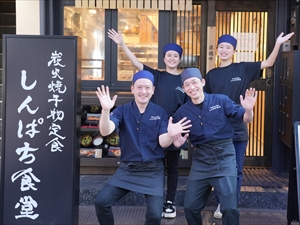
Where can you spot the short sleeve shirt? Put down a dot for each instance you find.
(233, 80)
(168, 93)
(139, 133)
(212, 121)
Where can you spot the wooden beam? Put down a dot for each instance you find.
(147, 4)
(78, 3)
(113, 4)
(189, 5)
(140, 4)
(92, 3)
(211, 16)
(85, 3)
(126, 4)
(120, 4)
(99, 4)
(211, 48)
(181, 5)
(133, 4)
(154, 4)
(175, 5)
(161, 5)
(168, 4)
(106, 4)
(242, 5)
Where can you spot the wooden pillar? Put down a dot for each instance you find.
(211, 36)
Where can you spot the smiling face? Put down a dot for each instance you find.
(225, 51)
(142, 90)
(172, 59)
(193, 87)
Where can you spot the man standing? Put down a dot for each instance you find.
(214, 162)
(144, 131)
(170, 96)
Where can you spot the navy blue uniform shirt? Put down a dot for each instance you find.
(233, 80)
(212, 122)
(168, 93)
(139, 132)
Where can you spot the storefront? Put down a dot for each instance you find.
(146, 27)
(104, 63)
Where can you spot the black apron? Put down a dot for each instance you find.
(214, 159)
(142, 177)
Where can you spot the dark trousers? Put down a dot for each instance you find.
(197, 194)
(111, 194)
(172, 158)
(240, 150)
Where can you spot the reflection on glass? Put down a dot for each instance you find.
(140, 33)
(88, 24)
(188, 36)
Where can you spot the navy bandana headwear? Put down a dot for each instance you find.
(173, 47)
(229, 39)
(143, 74)
(190, 72)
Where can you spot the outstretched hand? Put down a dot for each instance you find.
(281, 39)
(250, 98)
(115, 36)
(178, 128)
(104, 97)
(179, 140)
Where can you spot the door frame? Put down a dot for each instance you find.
(209, 20)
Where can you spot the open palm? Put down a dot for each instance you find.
(104, 97)
(115, 36)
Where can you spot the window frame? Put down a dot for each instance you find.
(54, 25)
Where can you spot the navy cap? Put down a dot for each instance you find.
(143, 74)
(229, 39)
(174, 47)
(190, 72)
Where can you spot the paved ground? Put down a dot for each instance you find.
(263, 202)
(261, 189)
(134, 215)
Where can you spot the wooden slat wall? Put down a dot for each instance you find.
(249, 22)
(185, 5)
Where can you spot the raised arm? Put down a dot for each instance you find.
(272, 57)
(118, 39)
(106, 126)
(248, 103)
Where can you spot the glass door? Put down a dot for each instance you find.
(88, 24)
(250, 29)
(140, 33)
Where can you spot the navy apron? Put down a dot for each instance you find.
(214, 159)
(143, 177)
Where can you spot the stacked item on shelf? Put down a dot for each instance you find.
(93, 145)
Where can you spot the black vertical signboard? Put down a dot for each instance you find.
(297, 153)
(293, 209)
(41, 122)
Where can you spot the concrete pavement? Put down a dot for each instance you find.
(134, 215)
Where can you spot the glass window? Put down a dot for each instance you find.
(188, 36)
(140, 33)
(88, 24)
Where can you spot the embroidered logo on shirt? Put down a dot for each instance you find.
(214, 107)
(180, 89)
(235, 79)
(155, 118)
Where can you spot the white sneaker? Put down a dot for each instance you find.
(169, 210)
(218, 214)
